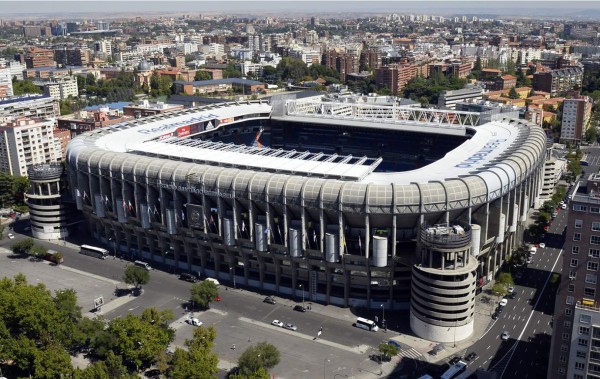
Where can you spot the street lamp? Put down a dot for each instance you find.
(301, 286)
(230, 270)
(382, 315)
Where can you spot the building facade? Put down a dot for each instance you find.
(6, 87)
(575, 118)
(25, 142)
(395, 77)
(42, 106)
(146, 108)
(557, 82)
(60, 88)
(449, 99)
(575, 346)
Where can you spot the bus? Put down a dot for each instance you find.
(363, 323)
(93, 251)
(454, 370)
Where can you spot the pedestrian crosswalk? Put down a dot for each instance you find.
(410, 353)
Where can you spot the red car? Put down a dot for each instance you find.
(218, 298)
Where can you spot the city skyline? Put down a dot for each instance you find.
(577, 9)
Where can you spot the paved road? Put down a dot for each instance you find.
(241, 318)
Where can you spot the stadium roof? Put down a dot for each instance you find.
(495, 152)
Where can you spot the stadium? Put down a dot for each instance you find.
(344, 202)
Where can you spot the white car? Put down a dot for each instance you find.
(277, 323)
(290, 327)
(11, 236)
(542, 245)
(505, 336)
(503, 302)
(194, 321)
(563, 206)
(511, 289)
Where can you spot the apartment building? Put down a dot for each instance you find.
(16, 68)
(72, 56)
(575, 347)
(35, 57)
(42, 106)
(25, 142)
(449, 99)
(6, 87)
(575, 118)
(84, 121)
(558, 82)
(60, 88)
(243, 86)
(554, 166)
(395, 76)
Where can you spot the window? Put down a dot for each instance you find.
(578, 224)
(577, 237)
(579, 366)
(585, 319)
(579, 207)
(572, 275)
(574, 262)
(582, 342)
(591, 279)
(592, 266)
(591, 292)
(581, 354)
(577, 376)
(571, 287)
(585, 330)
(595, 253)
(563, 359)
(561, 371)
(594, 210)
(564, 348)
(575, 250)
(568, 311)
(566, 324)
(570, 300)
(595, 240)
(565, 336)
(596, 226)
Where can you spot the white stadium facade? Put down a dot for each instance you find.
(358, 205)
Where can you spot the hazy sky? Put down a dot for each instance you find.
(504, 7)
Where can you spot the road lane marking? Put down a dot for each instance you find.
(516, 343)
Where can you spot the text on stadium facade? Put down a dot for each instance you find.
(177, 124)
(481, 154)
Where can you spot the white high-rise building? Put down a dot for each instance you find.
(61, 88)
(103, 47)
(6, 87)
(27, 141)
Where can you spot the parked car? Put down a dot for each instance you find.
(188, 277)
(454, 360)
(269, 300)
(495, 315)
(290, 327)
(11, 236)
(277, 323)
(194, 321)
(505, 336)
(511, 289)
(395, 343)
(299, 308)
(472, 355)
(542, 245)
(503, 302)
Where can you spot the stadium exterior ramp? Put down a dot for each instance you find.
(350, 235)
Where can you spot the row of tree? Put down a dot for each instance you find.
(40, 331)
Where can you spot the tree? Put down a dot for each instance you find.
(22, 247)
(136, 339)
(512, 94)
(262, 355)
(202, 75)
(136, 276)
(21, 87)
(204, 293)
(387, 349)
(198, 361)
(261, 373)
(292, 69)
(38, 251)
(499, 289)
(52, 362)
